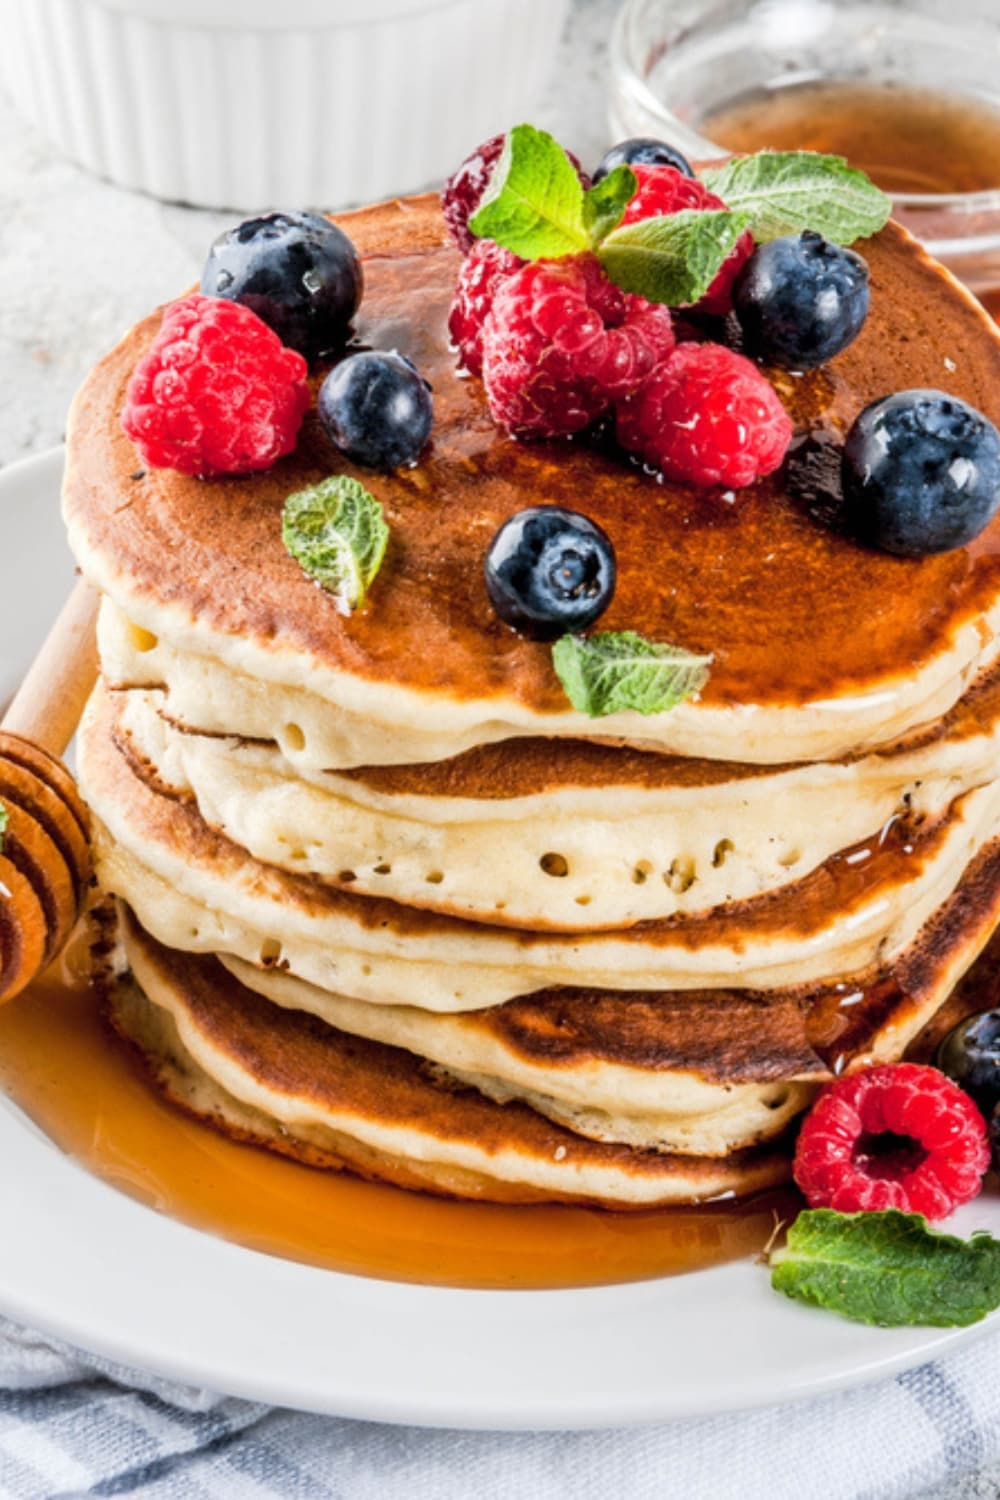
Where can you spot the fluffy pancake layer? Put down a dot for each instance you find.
(819, 647)
(195, 890)
(562, 835)
(285, 1080)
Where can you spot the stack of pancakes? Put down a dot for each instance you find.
(388, 902)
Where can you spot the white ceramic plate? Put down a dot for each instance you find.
(82, 1261)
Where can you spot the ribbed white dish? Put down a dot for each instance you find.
(247, 105)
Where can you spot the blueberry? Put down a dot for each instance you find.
(920, 473)
(550, 571)
(642, 151)
(296, 271)
(801, 300)
(970, 1055)
(376, 408)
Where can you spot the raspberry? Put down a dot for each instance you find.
(467, 184)
(216, 392)
(664, 190)
(483, 269)
(897, 1136)
(562, 343)
(706, 416)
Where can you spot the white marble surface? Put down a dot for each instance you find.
(81, 260)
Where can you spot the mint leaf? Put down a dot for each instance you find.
(784, 192)
(534, 203)
(888, 1268)
(672, 259)
(337, 533)
(616, 671)
(606, 201)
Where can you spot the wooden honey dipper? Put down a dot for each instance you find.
(45, 849)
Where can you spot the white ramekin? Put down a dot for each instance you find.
(250, 104)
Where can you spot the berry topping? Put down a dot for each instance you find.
(550, 571)
(216, 392)
(483, 269)
(562, 343)
(897, 1136)
(642, 151)
(465, 187)
(297, 271)
(920, 473)
(664, 190)
(970, 1057)
(801, 300)
(377, 409)
(706, 416)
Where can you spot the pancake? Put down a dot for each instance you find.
(197, 891)
(819, 647)
(705, 1071)
(284, 1080)
(563, 835)
(389, 903)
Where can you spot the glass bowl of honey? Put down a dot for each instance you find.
(909, 90)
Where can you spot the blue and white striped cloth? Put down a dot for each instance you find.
(73, 1425)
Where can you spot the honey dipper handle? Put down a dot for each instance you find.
(50, 700)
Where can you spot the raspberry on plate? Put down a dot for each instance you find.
(562, 344)
(896, 1136)
(465, 187)
(216, 392)
(706, 416)
(483, 269)
(665, 190)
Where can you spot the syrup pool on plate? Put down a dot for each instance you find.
(82, 1086)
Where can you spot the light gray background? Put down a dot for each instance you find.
(80, 261)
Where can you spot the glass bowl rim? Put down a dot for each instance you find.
(626, 75)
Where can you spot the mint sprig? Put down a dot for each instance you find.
(337, 533)
(888, 1268)
(534, 202)
(784, 192)
(536, 207)
(672, 259)
(605, 203)
(620, 671)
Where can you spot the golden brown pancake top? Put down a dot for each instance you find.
(791, 610)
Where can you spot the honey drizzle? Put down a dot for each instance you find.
(81, 1085)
